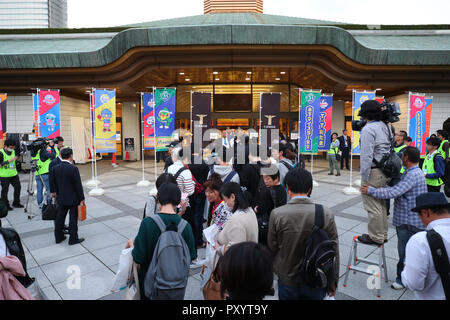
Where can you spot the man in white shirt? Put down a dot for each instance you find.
(419, 274)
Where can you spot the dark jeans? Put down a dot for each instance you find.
(404, 232)
(198, 205)
(391, 183)
(73, 223)
(299, 293)
(160, 155)
(15, 182)
(345, 156)
(434, 189)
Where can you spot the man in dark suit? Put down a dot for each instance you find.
(69, 193)
(345, 145)
(52, 165)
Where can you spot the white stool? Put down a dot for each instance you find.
(356, 260)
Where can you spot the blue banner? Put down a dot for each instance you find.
(325, 122)
(148, 118)
(164, 117)
(358, 99)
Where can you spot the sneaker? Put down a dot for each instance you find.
(195, 264)
(397, 285)
(17, 205)
(338, 175)
(330, 174)
(367, 240)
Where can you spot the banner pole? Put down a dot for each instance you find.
(409, 112)
(154, 141)
(298, 122)
(143, 182)
(39, 114)
(92, 133)
(350, 190)
(260, 118)
(96, 191)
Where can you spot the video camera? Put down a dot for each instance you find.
(389, 112)
(38, 144)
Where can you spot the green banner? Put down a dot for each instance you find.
(309, 121)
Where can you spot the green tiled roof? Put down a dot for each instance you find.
(94, 50)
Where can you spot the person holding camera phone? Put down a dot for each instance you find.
(8, 174)
(44, 156)
(376, 143)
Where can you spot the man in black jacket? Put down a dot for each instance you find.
(69, 193)
(345, 145)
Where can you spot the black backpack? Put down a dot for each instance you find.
(446, 178)
(440, 259)
(318, 268)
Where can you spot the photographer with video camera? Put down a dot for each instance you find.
(44, 155)
(8, 174)
(378, 164)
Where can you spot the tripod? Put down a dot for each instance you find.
(30, 188)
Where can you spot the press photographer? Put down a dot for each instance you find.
(378, 162)
(8, 174)
(43, 151)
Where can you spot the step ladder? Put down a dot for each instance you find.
(354, 261)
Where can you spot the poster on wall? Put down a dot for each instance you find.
(105, 120)
(358, 100)
(165, 99)
(148, 118)
(3, 97)
(419, 113)
(270, 115)
(201, 115)
(325, 121)
(49, 113)
(309, 121)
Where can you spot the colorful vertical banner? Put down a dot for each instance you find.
(419, 123)
(165, 99)
(105, 120)
(36, 114)
(148, 118)
(201, 114)
(309, 121)
(358, 100)
(3, 97)
(325, 121)
(49, 113)
(270, 115)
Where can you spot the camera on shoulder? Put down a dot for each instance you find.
(372, 110)
(36, 145)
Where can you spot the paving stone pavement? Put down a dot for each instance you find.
(115, 217)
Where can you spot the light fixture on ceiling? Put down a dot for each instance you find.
(278, 79)
(217, 79)
(215, 72)
(378, 89)
(194, 87)
(181, 73)
(249, 72)
(187, 79)
(283, 72)
(247, 79)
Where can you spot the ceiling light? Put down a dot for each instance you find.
(215, 72)
(181, 73)
(247, 79)
(194, 87)
(217, 79)
(283, 72)
(187, 79)
(378, 89)
(278, 79)
(249, 72)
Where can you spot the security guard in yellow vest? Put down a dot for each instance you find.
(59, 142)
(444, 147)
(44, 156)
(433, 166)
(8, 174)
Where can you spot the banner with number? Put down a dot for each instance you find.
(3, 97)
(419, 120)
(148, 117)
(201, 115)
(105, 120)
(49, 113)
(309, 121)
(164, 117)
(325, 122)
(270, 115)
(358, 100)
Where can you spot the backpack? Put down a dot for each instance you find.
(390, 164)
(318, 267)
(177, 174)
(3, 209)
(440, 259)
(446, 178)
(167, 275)
(228, 177)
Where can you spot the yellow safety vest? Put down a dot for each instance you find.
(9, 170)
(428, 165)
(42, 167)
(441, 150)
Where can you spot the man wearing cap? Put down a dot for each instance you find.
(412, 183)
(168, 162)
(419, 274)
(375, 144)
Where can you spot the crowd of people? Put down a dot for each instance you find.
(263, 218)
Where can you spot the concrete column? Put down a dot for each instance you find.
(130, 128)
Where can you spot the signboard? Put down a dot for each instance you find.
(105, 120)
(325, 121)
(309, 121)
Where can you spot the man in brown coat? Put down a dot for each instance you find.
(289, 229)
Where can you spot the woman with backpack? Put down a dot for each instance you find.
(333, 154)
(151, 206)
(242, 225)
